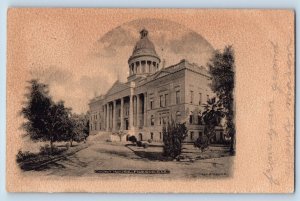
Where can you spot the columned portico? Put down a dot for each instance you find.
(132, 115)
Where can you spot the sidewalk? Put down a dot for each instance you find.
(41, 161)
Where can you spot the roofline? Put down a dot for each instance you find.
(104, 96)
(136, 56)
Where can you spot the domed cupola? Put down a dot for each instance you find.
(144, 60)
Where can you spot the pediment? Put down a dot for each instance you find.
(116, 87)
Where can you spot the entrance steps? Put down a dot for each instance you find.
(100, 136)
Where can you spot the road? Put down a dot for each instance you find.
(101, 155)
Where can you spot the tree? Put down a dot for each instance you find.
(132, 139)
(78, 128)
(173, 136)
(36, 110)
(46, 120)
(212, 116)
(221, 68)
(86, 129)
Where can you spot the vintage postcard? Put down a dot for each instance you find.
(150, 100)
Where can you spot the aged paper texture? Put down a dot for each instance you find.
(150, 100)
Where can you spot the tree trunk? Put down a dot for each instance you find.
(51, 147)
(71, 142)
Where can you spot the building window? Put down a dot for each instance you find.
(207, 97)
(200, 98)
(165, 120)
(192, 135)
(166, 100)
(152, 120)
(191, 118)
(200, 134)
(160, 135)
(199, 119)
(151, 103)
(161, 100)
(192, 97)
(177, 97)
(159, 120)
(178, 115)
(151, 136)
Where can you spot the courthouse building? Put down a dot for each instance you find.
(151, 96)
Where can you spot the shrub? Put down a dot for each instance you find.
(145, 145)
(132, 139)
(173, 136)
(202, 143)
(46, 150)
(21, 156)
(150, 141)
(139, 143)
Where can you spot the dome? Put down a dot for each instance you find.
(144, 47)
(144, 60)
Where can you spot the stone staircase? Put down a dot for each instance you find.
(100, 136)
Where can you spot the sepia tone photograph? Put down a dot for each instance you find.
(126, 99)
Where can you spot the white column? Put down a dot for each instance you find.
(122, 118)
(138, 106)
(149, 67)
(136, 68)
(110, 116)
(144, 67)
(133, 69)
(153, 67)
(107, 117)
(145, 109)
(131, 112)
(114, 114)
(140, 67)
